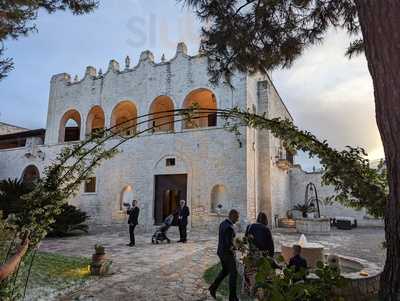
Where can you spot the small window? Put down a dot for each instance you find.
(170, 162)
(90, 185)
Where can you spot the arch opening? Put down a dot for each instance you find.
(219, 200)
(30, 175)
(126, 197)
(201, 99)
(123, 118)
(95, 122)
(159, 110)
(70, 127)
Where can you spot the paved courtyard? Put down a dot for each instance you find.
(174, 271)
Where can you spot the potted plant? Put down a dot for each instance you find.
(305, 209)
(99, 254)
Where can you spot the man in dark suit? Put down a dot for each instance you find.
(226, 254)
(183, 213)
(133, 213)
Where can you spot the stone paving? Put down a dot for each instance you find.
(174, 271)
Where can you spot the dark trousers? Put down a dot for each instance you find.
(183, 232)
(132, 233)
(228, 263)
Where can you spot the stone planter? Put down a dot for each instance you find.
(286, 223)
(313, 225)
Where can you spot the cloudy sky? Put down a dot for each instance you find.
(326, 93)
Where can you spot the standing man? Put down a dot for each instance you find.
(133, 213)
(183, 213)
(226, 255)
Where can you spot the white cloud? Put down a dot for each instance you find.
(332, 96)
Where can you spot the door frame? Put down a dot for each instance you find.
(188, 194)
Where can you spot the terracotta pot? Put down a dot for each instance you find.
(98, 257)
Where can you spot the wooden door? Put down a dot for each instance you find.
(169, 190)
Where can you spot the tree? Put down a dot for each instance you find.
(260, 35)
(12, 201)
(16, 20)
(71, 220)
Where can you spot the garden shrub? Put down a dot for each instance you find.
(69, 221)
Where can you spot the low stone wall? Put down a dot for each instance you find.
(360, 288)
(313, 225)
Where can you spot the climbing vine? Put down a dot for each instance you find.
(356, 184)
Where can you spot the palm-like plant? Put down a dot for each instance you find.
(11, 191)
(304, 208)
(70, 220)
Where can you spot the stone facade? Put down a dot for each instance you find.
(247, 178)
(298, 181)
(6, 128)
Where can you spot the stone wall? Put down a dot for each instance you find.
(140, 85)
(273, 182)
(208, 156)
(298, 181)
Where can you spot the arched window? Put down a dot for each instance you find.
(201, 99)
(160, 119)
(30, 175)
(219, 201)
(70, 126)
(95, 120)
(126, 197)
(123, 118)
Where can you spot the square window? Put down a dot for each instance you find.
(170, 162)
(90, 185)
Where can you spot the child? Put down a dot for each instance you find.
(297, 261)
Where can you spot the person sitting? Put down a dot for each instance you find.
(298, 262)
(260, 234)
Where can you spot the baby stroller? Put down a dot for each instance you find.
(161, 233)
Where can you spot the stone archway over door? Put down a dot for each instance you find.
(169, 190)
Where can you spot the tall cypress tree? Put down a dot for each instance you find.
(260, 35)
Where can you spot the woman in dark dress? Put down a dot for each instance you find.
(260, 235)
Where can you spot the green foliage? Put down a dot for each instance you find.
(49, 270)
(12, 202)
(256, 36)
(69, 221)
(289, 285)
(356, 184)
(99, 249)
(17, 18)
(11, 191)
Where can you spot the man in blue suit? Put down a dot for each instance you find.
(226, 255)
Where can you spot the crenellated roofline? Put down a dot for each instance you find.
(146, 57)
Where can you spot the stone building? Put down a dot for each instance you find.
(202, 163)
